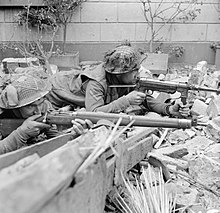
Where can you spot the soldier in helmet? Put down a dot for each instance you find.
(93, 87)
(121, 67)
(24, 97)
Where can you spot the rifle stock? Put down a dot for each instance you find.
(64, 119)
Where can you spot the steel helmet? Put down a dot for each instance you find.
(122, 59)
(21, 90)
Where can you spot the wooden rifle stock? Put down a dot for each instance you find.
(64, 119)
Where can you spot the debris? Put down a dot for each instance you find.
(182, 164)
(157, 145)
(213, 109)
(202, 67)
(177, 136)
(199, 108)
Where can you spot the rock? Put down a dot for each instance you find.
(181, 79)
(175, 151)
(210, 81)
(195, 77)
(199, 108)
(54, 68)
(145, 73)
(215, 123)
(171, 76)
(177, 136)
(182, 164)
(161, 77)
(202, 67)
(213, 109)
(190, 132)
(213, 129)
(205, 170)
(214, 148)
(184, 194)
(197, 209)
(197, 145)
(216, 74)
(212, 133)
(178, 153)
(213, 211)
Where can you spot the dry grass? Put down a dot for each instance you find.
(148, 196)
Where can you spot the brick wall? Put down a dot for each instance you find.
(98, 25)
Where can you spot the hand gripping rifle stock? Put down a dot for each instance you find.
(64, 120)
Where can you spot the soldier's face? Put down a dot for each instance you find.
(34, 108)
(130, 77)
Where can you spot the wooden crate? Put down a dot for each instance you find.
(51, 183)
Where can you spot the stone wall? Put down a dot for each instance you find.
(99, 25)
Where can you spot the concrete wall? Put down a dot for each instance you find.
(99, 25)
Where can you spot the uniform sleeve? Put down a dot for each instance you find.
(95, 100)
(12, 142)
(153, 105)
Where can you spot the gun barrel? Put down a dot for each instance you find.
(126, 119)
(173, 86)
(207, 89)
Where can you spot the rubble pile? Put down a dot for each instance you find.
(192, 156)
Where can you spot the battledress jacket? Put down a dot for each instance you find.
(17, 139)
(90, 89)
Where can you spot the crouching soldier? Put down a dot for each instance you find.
(24, 97)
(104, 87)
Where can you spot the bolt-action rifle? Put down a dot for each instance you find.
(64, 119)
(168, 87)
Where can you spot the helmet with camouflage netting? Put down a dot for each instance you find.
(123, 59)
(21, 90)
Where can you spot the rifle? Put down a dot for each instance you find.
(64, 120)
(168, 87)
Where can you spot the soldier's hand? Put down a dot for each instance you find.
(135, 97)
(80, 126)
(180, 110)
(32, 128)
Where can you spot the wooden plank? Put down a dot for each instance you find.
(19, 166)
(30, 190)
(168, 160)
(36, 185)
(140, 133)
(138, 152)
(88, 194)
(110, 173)
(132, 152)
(41, 149)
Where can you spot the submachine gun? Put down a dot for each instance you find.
(64, 119)
(168, 87)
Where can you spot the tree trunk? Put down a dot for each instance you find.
(64, 37)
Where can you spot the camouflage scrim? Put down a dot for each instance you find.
(122, 59)
(21, 90)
